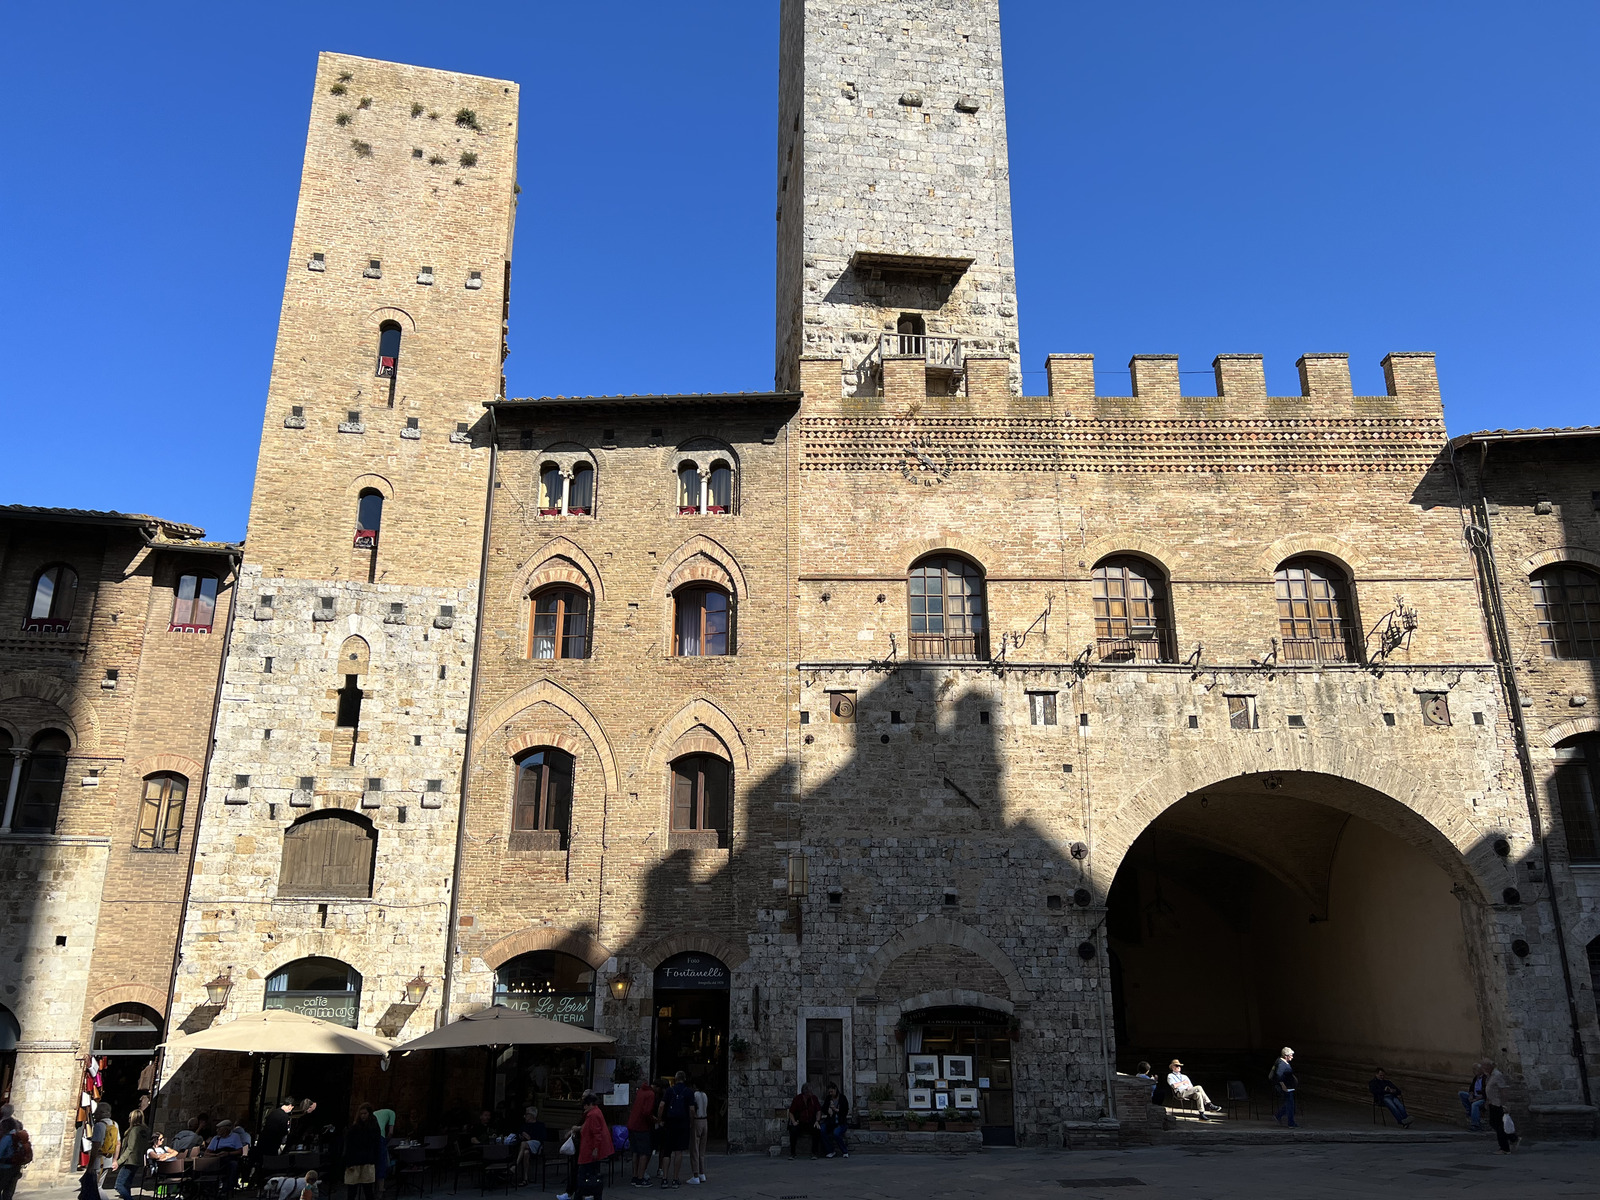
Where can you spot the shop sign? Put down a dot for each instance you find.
(692, 972)
(571, 1008)
(340, 1008)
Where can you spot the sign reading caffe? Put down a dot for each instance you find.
(691, 972)
(339, 1008)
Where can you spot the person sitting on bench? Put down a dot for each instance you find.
(1186, 1091)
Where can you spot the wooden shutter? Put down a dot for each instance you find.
(327, 856)
(150, 815)
(683, 788)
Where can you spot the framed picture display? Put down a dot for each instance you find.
(920, 1098)
(941, 1100)
(966, 1097)
(958, 1066)
(923, 1066)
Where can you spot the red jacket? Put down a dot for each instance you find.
(643, 1114)
(804, 1108)
(594, 1139)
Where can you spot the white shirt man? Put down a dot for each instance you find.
(1185, 1090)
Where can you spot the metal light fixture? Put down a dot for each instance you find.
(416, 989)
(217, 990)
(621, 985)
(799, 875)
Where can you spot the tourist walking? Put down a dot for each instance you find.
(641, 1128)
(594, 1147)
(16, 1151)
(1494, 1091)
(1284, 1082)
(130, 1159)
(105, 1138)
(677, 1110)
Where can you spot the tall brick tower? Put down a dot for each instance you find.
(331, 828)
(894, 197)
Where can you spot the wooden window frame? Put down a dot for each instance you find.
(1317, 620)
(686, 593)
(1132, 616)
(552, 505)
(577, 510)
(30, 778)
(535, 823)
(690, 770)
(562, 635)
(178, 624)
(308, 888)
(63, 600)
(161, 816)
(688, 506)
(1566, 605)
(1575, 785)
(971, 643)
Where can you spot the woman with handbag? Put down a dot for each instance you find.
(589, 1145)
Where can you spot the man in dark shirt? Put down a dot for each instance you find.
(275, 1126)
(803, 1110)
(1386, 1094)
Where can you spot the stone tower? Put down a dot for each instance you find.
(331, 826)
(894, 198)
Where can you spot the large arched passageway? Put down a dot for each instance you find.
(1267, 910)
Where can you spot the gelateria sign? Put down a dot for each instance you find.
(692, 972)
(571, 1008)
(341, 1008)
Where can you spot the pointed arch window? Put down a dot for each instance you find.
(541, 815)
(1566, 601)
(552, 486)
(560, 624)
(1131, 616)
(55, 592)
(1316, 619)
(947, 606)
(702, 797)
(161, 812)
(369, 519)
(43, 776)
(703, 622)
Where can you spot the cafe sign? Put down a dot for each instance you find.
(692, 972)
(339, 1008)
(570, 1008)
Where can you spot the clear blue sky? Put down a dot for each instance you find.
(1187, 177)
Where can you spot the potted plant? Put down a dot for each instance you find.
(738, 1047)
(878, 1095)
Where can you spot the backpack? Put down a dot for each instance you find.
(110, 1140)
(678, 1102)
(21, 1148)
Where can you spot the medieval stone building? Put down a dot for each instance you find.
(892, 727)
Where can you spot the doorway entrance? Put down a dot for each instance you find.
(691, 1030)
(125, 1037)
(982, 1038)
(1246, 918)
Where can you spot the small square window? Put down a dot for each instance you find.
(441, 671)
(1296, 721)
(983, 716)
(266, 600)
(397, 608)
(266, 735)
(1083, 720)
(411, 422)
(266, 666)
(1477, 718)
(327, 603)
(447, 610)
(1242, 713)
(835, 899)
(353, 417)
(1388, 718)
(609, 435)
(61, 939)
(318, 256)
(434, 785)
(416, 739)
(895, 718)
(951, 900)
(241, 781)
(112, 673)
(416, 152)
(1053, 903)
(308, 783)
(805, 717)
(374, 785)
(1066, 768)
(297, 409)
(374, 264)
(1194, 721)
(461, 426)
(1041, 708)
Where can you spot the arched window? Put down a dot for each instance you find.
(10, 1035)
(369, 519)
(1316, 621)
(552, 485)
(560, 625)
(719, 488)
(554, 985)
(388, 349)
(580, 491)
(911, 327)
(703, 622)
(328, 853)
(947, 609)
(701, 796)
(194, 604)
(1577, 787)
(161, 812)
(324, 988)
(39, 790)
(1131, 621)
(55, 590)
(1567, 601)
(688, 488)
(543, 801)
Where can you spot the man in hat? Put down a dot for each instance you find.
(1185, 1090)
